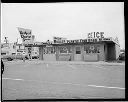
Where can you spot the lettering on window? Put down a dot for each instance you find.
(65, 49)
(49, 50)
(92, 49)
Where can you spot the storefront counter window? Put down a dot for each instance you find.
(49, 50)
(92, 49)
(65, 49)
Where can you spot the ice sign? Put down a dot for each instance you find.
(96, 35)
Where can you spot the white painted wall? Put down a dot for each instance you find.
(91, 57)
(117, 48)
(49, 57)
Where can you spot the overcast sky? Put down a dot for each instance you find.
(69, 20)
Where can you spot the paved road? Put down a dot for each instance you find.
(38, 79)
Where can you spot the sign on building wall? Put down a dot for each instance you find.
(83, 40)
(59, 40)
(26, 35)
(34, 44)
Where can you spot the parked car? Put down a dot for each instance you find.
(122, 56)
(35, 57)
(9, 59)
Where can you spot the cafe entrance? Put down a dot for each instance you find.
(78, 55)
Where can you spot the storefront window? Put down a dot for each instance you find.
(92, 49)
(49, 50)
(64, 49)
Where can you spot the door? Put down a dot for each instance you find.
(111, 52)
(78, 55)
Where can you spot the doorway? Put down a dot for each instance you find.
(78, 55)
(111, 52)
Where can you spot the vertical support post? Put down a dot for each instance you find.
(41, 53)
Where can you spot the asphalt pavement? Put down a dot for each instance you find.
(60, 79)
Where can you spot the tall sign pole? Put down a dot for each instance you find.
(26, 35)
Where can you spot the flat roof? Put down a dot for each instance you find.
(75, 42)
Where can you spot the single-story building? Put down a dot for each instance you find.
(96, 49)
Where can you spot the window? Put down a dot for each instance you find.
(3, 53)
(92, 49)
(13, 53)
(78, 51)
(65, 49)
(49, 50)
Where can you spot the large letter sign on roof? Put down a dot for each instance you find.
(96, 35)
(59, 40)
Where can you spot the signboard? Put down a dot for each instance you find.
(89, 40)
(59, 40)
(25, 34)
(82, 40)
(38, 43)
(34, 44)
(96, 35)
(105, 39)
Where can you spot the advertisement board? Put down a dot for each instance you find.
(59, 40)
(26, 35)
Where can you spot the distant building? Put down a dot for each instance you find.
(8, 49)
